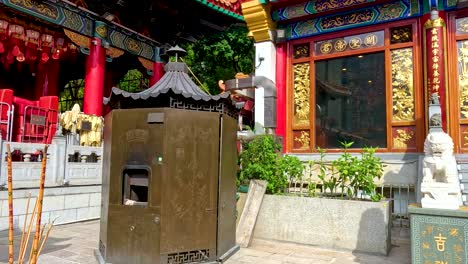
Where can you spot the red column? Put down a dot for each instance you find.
(41, 73)
(53, 77)
(158, 72)
(435, 51)
(281, 90)
(108, 84)
(94, 79)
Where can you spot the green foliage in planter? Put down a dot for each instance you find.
(350, 174)
(261, 159)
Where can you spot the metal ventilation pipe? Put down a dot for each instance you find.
(269, 95)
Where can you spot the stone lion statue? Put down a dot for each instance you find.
(440, 185)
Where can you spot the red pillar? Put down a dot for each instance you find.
(108, 84)
(435, 50)
(158, 72)
(41, 73)
(281, 90)
(53, 77)
(94, 79)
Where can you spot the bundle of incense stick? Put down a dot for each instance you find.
(10, 208)
(36, 214)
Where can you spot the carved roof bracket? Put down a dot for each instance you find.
(257, 17)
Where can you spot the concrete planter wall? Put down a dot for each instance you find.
(342, 224)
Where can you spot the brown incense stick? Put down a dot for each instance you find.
(26, 241)
(10, 208)
(24, 225)
(39, 207)
(45, 238)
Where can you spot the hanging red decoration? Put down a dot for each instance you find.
(15, 51)
(31, 54)
(2, 48)
(16, 32)
(47, 40)
(32, 43)
(3, 29)
(59, 46)
(10, 58)
(32, 37)
(20, 57)
(44, 57)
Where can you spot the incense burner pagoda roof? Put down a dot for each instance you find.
(174, 84)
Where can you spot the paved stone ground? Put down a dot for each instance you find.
(75, 243)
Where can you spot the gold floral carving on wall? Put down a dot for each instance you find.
(402, 138)
(303, 139)
(301, 94)
(463, 77)
(462, 25)
(402, 84)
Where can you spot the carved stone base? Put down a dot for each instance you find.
(449, 203)
(438, 236)
(438, 195)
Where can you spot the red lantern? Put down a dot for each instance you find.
(3, 29)
(20, 57)
(47, 40)
(32, 43)
(2, 48)
(16, 32)
(58, 48)
(9, 58)
(32, 38)
(15, 51)
(44, 57)
(31, 54)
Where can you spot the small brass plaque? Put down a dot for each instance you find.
(155, 118)
(38, 120)
(86, 126)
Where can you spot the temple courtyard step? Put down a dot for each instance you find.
(75, 243)
(463, 172)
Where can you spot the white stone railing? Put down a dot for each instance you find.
(66, 164)
(83, 165)
(26, 172)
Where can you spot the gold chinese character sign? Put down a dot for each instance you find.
(435, 60)
(438, 236)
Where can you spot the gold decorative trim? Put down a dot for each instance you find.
(304, 140)
(462, 46)
(301, 94)
(402, 138)
(114, 52)
(402, 84)
(439, 22)
(257, 17)
(78, 39)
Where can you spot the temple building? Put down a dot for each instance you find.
(362, 71)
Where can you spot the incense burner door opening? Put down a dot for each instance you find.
(135, 186)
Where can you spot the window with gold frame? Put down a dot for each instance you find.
(390, 98)
(461, 89)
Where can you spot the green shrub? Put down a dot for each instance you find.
(351, 174)
(261, 159)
